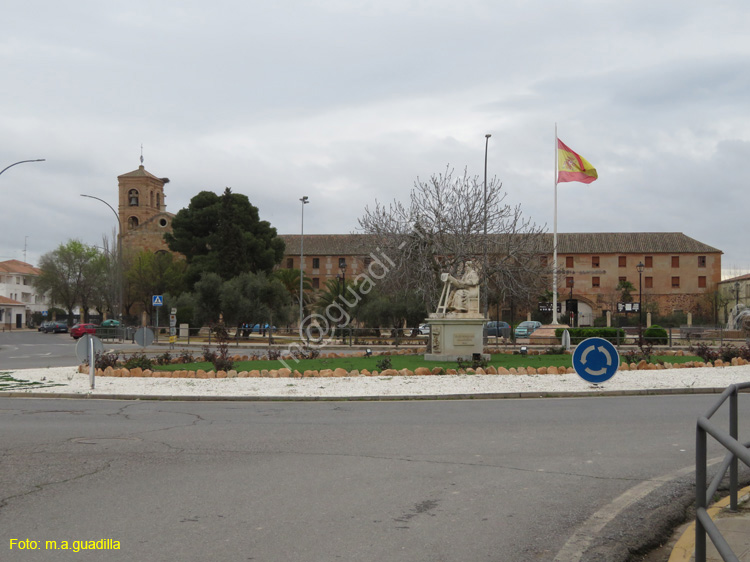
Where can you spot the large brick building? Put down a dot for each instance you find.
(678, 271)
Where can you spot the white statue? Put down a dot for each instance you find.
(460, 296)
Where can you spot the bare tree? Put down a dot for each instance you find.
(444, 225)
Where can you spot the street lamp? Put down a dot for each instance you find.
(342, 267)
(640, 267)
(22, 162)
(304, 201)
(119, 259)
(486, 294)
(569, 304)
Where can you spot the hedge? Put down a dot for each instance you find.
(577, 335)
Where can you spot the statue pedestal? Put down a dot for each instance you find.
(546, 334)
(454, 337)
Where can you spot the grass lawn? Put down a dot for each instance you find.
(399, 362)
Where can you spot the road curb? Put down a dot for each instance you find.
(684, 548)
(379, 398)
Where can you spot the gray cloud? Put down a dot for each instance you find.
(349, 101)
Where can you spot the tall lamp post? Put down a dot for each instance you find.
(305, 200)
(484, 273)
(22, 162)
(119, 261)
(640, 267)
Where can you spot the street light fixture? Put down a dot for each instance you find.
(342, 277)
(305, 200)
(486, 294)
(119, 260)
(22, 162)
(640, 267)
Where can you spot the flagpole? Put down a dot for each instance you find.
(554, 244)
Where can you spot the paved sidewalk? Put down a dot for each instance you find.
(735, 527)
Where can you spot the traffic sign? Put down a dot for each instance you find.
(628, 307)
(547, 307)
(157, 300)
(144, 337)
(596, 360)
(44, 313)
(83, 347)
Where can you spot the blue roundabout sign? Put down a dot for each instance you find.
(596, 360)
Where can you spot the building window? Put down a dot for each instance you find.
(675, 261)
(622, 261)
(289, 263)
(342, 263)
(133, 197)
(595, 262)
(316, 283)
(594, 281)
(701, 261)
(702, 282)
(675, 282)
(368, 261)
(543, 260)
(649, 282)
(649, 261)
(569, 262)
(132, 222)
(316, 263)
(158, 200)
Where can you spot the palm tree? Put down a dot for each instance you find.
(290, 279)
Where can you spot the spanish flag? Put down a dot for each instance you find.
(573, 167)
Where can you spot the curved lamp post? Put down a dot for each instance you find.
(119, 258)
(22, 162)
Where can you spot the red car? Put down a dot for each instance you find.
(79, 329)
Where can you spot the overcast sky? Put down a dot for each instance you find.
(348, 102)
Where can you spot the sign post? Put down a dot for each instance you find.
(157, 301)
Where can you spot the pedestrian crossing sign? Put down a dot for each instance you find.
(157, 300)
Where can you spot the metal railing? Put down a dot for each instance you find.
(704, 491)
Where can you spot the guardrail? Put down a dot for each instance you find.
(705, 491)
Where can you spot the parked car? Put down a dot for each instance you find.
(43, 326)
(498, 329)
(424, 329)
(57, 327)
(526, 328)
(111, 323)
(79, 329)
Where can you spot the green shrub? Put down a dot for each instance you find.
(164, 359)
(138, 360)
(656, 335)
(577, 335)
(384, 364)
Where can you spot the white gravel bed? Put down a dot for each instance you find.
(67, 380)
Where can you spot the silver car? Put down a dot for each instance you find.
(526, 328)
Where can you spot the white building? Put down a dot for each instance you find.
(18, 296)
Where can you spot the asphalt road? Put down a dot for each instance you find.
(510, 480)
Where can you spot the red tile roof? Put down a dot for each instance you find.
(16, 266)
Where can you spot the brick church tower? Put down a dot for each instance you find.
(143, 215)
